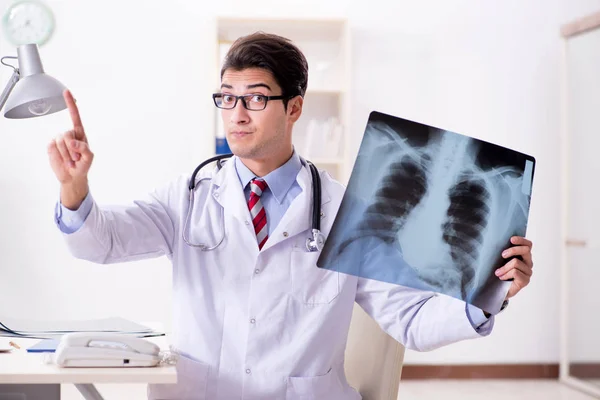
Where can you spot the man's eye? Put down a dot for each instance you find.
(228, 98)
(257, 98)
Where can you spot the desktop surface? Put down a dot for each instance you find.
(20, 367)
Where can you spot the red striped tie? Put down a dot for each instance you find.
(257, 211)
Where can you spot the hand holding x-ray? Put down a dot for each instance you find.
(520, 267)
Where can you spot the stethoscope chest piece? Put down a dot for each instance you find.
(316, 242)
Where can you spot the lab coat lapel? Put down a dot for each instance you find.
(229, 194)
(298, 217)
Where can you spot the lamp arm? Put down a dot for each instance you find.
(9, 87)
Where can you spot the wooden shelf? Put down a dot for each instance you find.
(327, 161)
(324, 91)
(230, 29)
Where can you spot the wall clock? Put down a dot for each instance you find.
(28, 21)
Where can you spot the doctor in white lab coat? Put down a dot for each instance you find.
(255, 318)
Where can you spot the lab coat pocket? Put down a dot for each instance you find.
(310, 284)
(312, 387)
(192, 379)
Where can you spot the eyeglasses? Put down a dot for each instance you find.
(252, 102)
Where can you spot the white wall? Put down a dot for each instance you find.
(142, 73)
(583, 166)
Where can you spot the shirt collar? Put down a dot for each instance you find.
(279, 181)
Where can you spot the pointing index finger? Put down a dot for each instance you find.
(73, 110)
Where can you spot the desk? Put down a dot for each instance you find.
(20, 367)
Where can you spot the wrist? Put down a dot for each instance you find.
(72, 194)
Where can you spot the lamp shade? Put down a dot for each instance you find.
(36, 93)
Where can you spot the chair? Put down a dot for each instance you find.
(373, 359)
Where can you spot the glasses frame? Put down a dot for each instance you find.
(242, 97)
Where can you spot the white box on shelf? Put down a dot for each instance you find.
(323, 139)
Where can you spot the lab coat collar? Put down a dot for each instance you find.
(298, 217)
(221, 176)
(228, 192)
(307, 183)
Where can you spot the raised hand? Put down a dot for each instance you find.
(71, 158)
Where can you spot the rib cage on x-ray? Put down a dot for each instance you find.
(466, 220)
(439, 206)
(385, 216)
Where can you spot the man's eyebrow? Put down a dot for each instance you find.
(252, 86)
(255, 85)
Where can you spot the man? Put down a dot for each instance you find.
(254, 318)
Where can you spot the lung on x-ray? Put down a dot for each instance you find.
(431, 209)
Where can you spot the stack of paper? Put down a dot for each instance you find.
(54, 329)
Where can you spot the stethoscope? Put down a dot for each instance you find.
(313, 244)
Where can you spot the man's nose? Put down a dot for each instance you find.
(239, 114)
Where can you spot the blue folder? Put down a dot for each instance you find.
(44, 346)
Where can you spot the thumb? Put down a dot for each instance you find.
(82, 148)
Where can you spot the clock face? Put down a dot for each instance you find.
(27, 22)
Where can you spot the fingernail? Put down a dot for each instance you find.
(497, 272)
(504, 253)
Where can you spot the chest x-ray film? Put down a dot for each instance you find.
(431, 209)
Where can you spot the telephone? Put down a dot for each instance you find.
(84, 349)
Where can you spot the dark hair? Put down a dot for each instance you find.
(273, 53)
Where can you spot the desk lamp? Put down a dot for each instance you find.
(35, 93)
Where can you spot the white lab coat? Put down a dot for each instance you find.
(252, 324)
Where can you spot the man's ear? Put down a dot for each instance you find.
(294, 108)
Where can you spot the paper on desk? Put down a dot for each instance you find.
(50, 329)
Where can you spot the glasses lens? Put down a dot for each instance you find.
(225, 100)
(255, 102)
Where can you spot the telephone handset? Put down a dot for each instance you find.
(83, 349)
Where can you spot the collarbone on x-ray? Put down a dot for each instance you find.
(449, 216)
